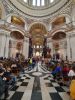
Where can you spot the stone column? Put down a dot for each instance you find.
(73, 14)
(7, 47)
(68, 47)
(30, 2)
(2, 45)
(72, 46)
(26, 47)
(47, 2)
(50, 45)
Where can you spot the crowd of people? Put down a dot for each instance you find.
(10, 69)
(63, 72)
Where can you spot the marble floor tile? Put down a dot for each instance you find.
(65, 96)
(21, 89)
(52, 90)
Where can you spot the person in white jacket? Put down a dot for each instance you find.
(71, 72)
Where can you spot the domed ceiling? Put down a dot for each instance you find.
(38, 8)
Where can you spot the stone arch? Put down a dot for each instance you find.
(0, 12)
(41, 23)
(16, 34)
(16, 29)
(65, 15)
(59, 35)
(62, 30)
(37, 31)
(20, 21)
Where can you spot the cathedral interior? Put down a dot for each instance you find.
(37, 50)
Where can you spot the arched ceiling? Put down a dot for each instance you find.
(17, 20)
(38, 28)
(38, 32)
(58, 21)
(17, 35)
(59, 35)
(37, 41)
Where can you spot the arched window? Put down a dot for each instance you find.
(34, 3)
(42, 2)
(38, 2)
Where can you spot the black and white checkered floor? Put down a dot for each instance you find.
(38, 84)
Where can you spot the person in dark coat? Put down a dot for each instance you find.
(2, 83)
(3, 86)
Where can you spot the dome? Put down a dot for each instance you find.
(38, 8)
(39, 4)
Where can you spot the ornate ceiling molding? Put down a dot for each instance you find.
(39, 13)
(47, 4)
